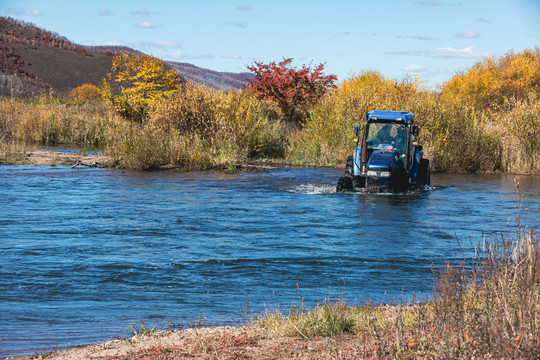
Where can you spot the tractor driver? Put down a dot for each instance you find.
(383, 136)
(390, 134)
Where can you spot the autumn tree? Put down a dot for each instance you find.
(293, 90)
(135, 82)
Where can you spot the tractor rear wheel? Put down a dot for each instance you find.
(424, 176)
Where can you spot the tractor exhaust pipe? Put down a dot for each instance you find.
(364, 155)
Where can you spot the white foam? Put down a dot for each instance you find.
(313, 189)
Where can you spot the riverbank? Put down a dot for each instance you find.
(40, 157)
(217, 343)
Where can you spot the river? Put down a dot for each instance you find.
(86, 253)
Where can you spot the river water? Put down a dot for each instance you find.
(86, 253)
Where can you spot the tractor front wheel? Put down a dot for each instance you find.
(344, 183)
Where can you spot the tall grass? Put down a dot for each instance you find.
(51, 121)
(202, 128)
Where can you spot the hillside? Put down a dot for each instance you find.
(215, 79)
(34, 60)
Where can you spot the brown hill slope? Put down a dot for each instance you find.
(34, 60)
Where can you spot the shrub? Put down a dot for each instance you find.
(190, 110)
(85, 92)
(293, 90)
(137, 146)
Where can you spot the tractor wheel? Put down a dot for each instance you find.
(424, 176)
(349, 166)
(344, 183)
(359, 182)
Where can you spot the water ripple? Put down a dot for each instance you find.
(87, 251)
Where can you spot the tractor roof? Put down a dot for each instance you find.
(406, 117)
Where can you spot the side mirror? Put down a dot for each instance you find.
(357, 130)
(415, 131)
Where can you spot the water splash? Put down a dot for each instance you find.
(313, 189)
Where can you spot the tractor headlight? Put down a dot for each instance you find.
(378, 173)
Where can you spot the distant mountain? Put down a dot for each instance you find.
(215, 79)
(34, 60)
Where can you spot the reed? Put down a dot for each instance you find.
(51, 121)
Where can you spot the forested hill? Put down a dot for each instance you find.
(35, 60)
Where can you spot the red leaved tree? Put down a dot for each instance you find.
(293, 90)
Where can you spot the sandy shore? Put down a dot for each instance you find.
(47, 157)
(218, 343)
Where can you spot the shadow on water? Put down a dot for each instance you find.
(87, 251)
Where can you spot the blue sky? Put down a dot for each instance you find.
(433, 39)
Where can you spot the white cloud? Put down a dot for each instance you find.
(21, 12)
(240, 25)
(232, 57)
(483, 20)
(147, 25)
(180, 55)
(244, 8)
(105, 12)
(468, 52)
(428, 3)
(407, 53)
(414, 68)
(142, 12)
(171, 44)
(417, 37)
(106, 43)
(471, 34)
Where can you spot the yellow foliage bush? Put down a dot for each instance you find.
(192, 109)
(210, 127)
(490, 83)
(520, 129)
(85, 92)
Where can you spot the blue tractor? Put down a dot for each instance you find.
(388, 159)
